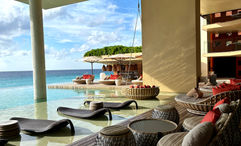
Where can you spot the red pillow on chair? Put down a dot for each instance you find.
(212, 116)
(225, 100)
(86, 76)
(235, 81)
(217, 90)
(113, 77)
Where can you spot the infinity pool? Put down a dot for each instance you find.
(73, 99)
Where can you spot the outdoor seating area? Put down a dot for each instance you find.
(176, 126)
(169, 124)
(201, 105)
(111, 80)
(84, 79)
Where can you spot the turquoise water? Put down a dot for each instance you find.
(16, 88)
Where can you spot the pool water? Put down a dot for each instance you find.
(16, 100)
(16, 88)
(83, 127)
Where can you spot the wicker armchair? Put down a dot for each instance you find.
(229, 133)
(203, 105)
(141, 93)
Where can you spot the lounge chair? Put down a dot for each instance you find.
(116, 105)
(201, 106)
(107, 82)
(191, 122)
(42, 126)
(227, 134)
(110, 80)
(82, 113)
(139, 81)
(3, 142)
(82, 79)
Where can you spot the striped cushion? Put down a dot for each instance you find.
(224, 108)
(200, 135)
(191, 122)
(220, 122)
(174, 139)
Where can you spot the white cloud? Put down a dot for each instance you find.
(69, 31)
(112, 7)
(65, 41)
(136, 24)
(14, 20)
(83, 48)
(103, 38)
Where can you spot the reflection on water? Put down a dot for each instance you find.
(98, 93)
(40, 110)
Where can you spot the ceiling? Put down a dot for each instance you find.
(214, 6)
(48, 4)
(229, 26)
(207, 6)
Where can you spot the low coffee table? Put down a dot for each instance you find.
(149, 131)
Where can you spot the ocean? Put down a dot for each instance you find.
(16, 88)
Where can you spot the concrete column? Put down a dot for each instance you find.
(37, 40)
(204, 49)
(171, 44)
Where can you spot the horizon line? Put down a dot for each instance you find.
(48, 70)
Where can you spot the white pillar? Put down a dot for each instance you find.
(37, 40)
(204, 49)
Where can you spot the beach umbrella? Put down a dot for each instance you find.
(91, 59)
(120, 57)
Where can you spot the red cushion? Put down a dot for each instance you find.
(217, 90)
(225, 87)
(225, 100)
(235, 81)
(86, 76)
(113, 77)
(212, 116)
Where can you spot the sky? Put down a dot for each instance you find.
(69, 32)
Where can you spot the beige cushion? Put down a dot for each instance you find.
(224, 108)
(190, 123)
(114, 130)
(220, 122)
(195, 93)
(200, 135)
(174, 139)
(233, 104)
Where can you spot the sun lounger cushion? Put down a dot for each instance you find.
(199, 135)
(212, 116)
(42, 126)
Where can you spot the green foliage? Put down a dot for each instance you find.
(112, 50)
